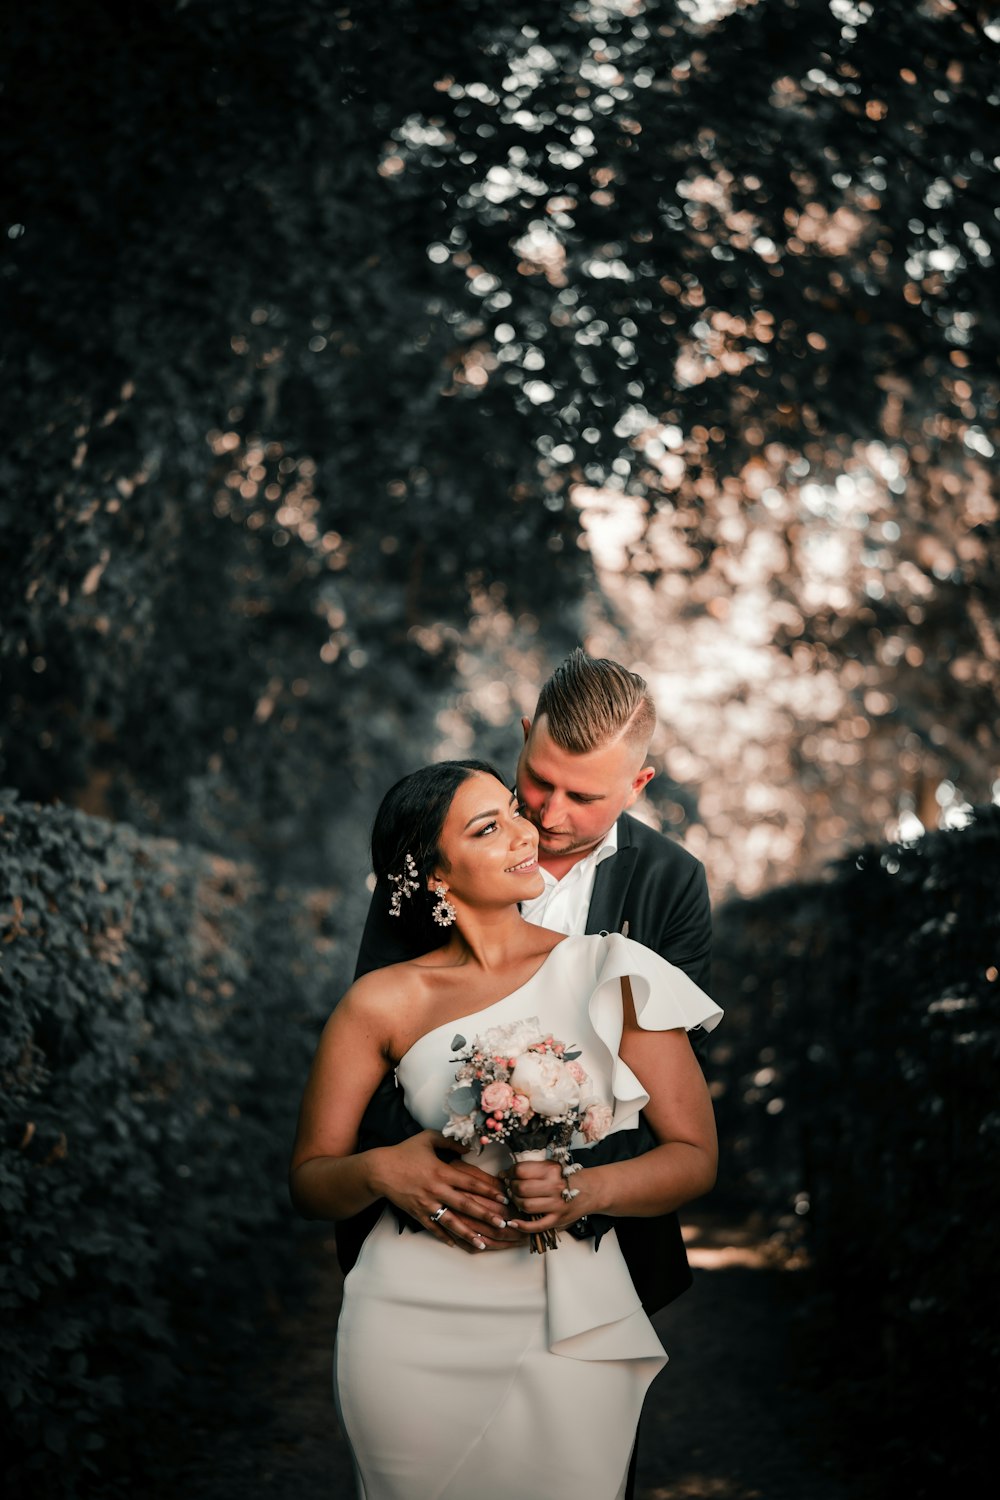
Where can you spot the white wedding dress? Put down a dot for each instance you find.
(507, 1375)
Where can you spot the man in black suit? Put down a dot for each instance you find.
(581, 766)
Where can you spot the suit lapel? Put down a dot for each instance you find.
(611, 882)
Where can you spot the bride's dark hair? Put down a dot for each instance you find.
(409, 822)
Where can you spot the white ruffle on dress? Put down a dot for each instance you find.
(508, 1375)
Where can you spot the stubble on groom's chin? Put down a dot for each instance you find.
(562, 847)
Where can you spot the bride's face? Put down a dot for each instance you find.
(490, 849)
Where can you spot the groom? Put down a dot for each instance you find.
(582, 765)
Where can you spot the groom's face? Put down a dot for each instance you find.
(574, 799)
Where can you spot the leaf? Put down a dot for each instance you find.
(462, 1100)
(457, 1042)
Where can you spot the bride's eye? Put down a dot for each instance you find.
(486, 828)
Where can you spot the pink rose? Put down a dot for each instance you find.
(497, 1096)
(575, 1071)
(521, 1105)
(596, 1122)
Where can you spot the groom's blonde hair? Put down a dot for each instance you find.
(590, 700)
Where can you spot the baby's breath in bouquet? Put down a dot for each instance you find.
(520, 1087)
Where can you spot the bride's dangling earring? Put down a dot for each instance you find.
(443, 913)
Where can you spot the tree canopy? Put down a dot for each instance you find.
(333, 331)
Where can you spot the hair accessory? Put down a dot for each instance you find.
(444, 913)
(403, 886)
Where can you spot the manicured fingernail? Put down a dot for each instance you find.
(479, 1244)
(500, 1223)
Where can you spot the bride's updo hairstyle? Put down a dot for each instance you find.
(409, 823)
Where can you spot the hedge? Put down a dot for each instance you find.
(160, 1005)
(857, 1075)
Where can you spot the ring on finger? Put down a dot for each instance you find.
(438, 1214)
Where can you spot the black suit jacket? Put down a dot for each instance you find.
(660, 890)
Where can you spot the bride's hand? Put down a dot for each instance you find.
(537, 1196)
(414, 1178)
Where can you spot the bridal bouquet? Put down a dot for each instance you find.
(520, 1087)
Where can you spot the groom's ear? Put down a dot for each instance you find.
(526, 726)
(645, 775)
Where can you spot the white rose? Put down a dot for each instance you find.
(547, 1082)
(510, 1041)
(461, 1128)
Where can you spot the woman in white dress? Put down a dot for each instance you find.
(465, 1364)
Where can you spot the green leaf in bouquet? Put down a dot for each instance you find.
(457, 1042)
(462, 1100)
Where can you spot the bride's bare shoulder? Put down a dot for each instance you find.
(381, 990)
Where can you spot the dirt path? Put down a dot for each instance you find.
(728, 1419)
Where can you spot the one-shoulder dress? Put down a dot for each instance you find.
(509, 1375)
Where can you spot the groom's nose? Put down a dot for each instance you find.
(553, 807)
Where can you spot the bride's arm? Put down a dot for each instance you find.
(328, 1177)
(683, 1166)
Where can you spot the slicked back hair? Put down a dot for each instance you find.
(590, 701)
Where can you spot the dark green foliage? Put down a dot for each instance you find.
(860, 1060)
(268, 285)
(159, 1010)
(234, 452)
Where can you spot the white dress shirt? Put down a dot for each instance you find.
(563, 904)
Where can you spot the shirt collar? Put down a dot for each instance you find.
(609, 846)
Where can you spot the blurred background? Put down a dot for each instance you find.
(360, 361)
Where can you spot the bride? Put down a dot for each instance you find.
(494, 1372)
